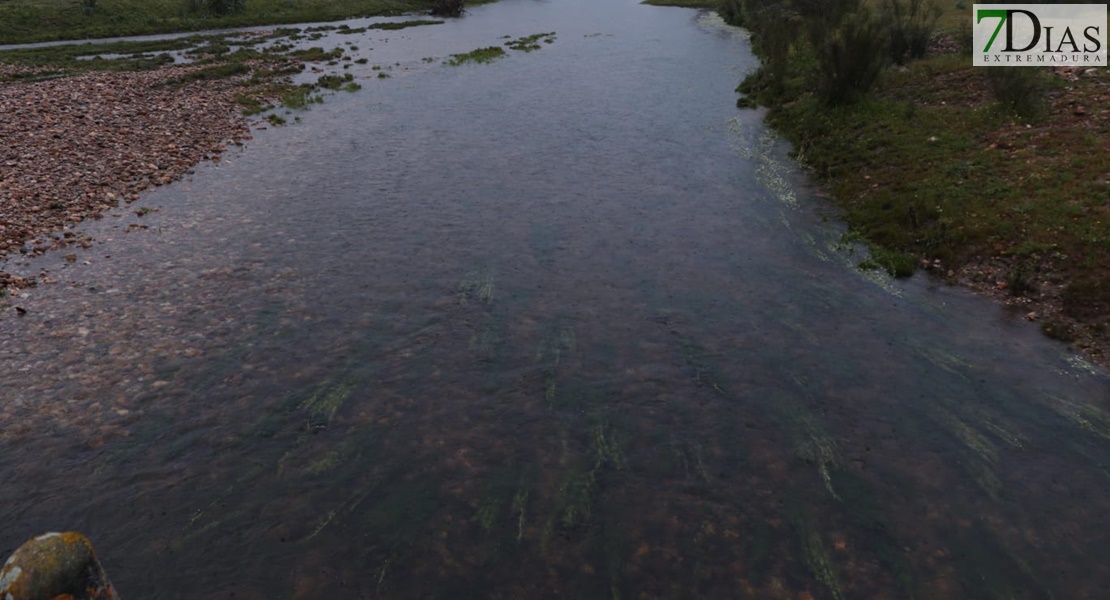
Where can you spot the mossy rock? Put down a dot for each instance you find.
(55, 565)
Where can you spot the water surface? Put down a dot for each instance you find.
(568, 324)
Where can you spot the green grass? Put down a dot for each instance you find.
(481, 55)
(136, 55)
(334, 82)
(45, 20)
(317, 54)
(530, 43)
(942, 161)
(404, 24)
(684, 3)
(220, 71)
(926, 176)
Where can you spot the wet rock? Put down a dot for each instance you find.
(55, 565)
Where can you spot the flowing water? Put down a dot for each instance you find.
(567, 324)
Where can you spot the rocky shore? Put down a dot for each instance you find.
(74, 147)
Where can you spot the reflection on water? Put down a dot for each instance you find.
(563, 325)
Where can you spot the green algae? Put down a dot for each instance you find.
(864, 510)
(488, 337)
(322, 405)
(404, 24)
(479, 56)
(544, 242)
(559, 339)
(477, 285)
(703, 366)
(530, 43)
(812, 442)
(1087, 417)
(820, 564)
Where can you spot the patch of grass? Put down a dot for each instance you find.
(317, 54)
(684, 3)
(481, 55)
(275, 120)
(1088, 297)
(125, 56)
(943, 161)
(251, 104)
(215, 49)
(347, 30)
(24, 21)
(1058, 330)
(220, 71)
(404, 24)
(529, 43)
(298, 97)
(334, 82)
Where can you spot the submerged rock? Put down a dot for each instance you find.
(55, 565)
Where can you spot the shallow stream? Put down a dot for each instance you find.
(563, 325)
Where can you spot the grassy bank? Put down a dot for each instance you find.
(46, 20)
(992, 178)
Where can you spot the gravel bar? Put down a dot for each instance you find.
(74, 147)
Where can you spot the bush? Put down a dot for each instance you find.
(851, 58)
(215, 7)
(225, 7)
(910, 27)
(777, 27)
(1018, 90)
(447, 8)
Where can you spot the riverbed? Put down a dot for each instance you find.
(567, 324)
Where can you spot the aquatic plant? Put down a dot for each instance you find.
(334, 82)
(481, 55)
(404, 24)
(529, 43)
(487, 336)
(477, 284)
(1088, 417)
(559, 339)
(322, 405)
(819, 562)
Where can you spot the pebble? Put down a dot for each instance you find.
(73, 147)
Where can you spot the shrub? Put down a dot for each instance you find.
(777, 27)
(850, 58)
(1018, 90)
(215, 7)
(447, 8)
(225, 7)
(910, 26)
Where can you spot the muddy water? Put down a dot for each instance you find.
(563, 325)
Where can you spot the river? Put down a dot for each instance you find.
(564, 325)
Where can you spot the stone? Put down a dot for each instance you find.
(55, 565)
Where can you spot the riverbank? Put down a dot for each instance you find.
(88, 128)
(937, 177)
(77, 146)
(25, 21)
(995, 180)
